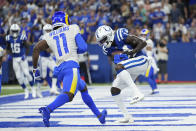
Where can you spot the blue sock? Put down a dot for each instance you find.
(59, 101)
(152, 80)
(89, 102)
(23, 86)
(31, 83)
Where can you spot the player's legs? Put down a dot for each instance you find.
(116, 90)
(89, 102)
(20, 77)
(51, 65)
(70, 78)
(25, 69)
(151, 79)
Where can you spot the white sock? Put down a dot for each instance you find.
(54, 81)
(126, 77)
(121, 106)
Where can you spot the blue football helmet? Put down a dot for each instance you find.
(60, 19)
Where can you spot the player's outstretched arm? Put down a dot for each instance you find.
(82, 46)
(40, 46)
(137, 43)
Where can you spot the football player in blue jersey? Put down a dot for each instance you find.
(66, 43)
(46, 61)
(16, 45)
(152, 68)
(130, 62)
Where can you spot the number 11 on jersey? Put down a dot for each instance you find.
(58, 43)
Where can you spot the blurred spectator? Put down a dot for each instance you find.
(183, 9)
(158, 15)
(183, 31)
(158, 30)
(192, 31)
(84, 30)
(125, 11)
(166, 8)
(175, 14)
(134, 6)
(155, 4)
(137, 19)
(162, 58)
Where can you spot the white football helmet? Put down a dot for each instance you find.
(47, 28)
(14, 30)
(104, 36)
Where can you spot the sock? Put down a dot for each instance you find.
(59, 101)
(54, 80)
(121, 106)
(23, 86)
(89, 102)
(151, 80)
(126, 77)
(31, 83)
(48, 79)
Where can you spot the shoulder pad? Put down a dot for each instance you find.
(122, 33)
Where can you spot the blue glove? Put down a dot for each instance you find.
(23, 57)
(36, 74)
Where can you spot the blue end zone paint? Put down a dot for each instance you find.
(115, 115)
(86, 108)
(8, 124)
(20, 97)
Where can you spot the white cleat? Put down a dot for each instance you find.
(33, 89)
(26, 93)
(39, 93)
(125, 120)
(53, 91)
(137, 98)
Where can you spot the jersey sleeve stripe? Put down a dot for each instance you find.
(118, 35)
(121, 34)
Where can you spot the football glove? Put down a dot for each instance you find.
(129, 53)
(36, 74)
(23, 57)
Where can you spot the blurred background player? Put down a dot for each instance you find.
(152, 68)
(17, 46)
(66, 43)
(1, 61)
(129, 65)
(46, 61)
(84, 63)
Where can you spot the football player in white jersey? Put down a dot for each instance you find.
(66, 43)
(46, 61)
(152, 68)
(17, 46)
(130, 63)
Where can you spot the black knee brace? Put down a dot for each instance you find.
(70, 95)
(115, 91)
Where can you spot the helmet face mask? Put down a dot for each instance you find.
(104, 36)
(14, 30)
(47, 28)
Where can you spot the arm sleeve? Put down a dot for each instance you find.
(82, 46)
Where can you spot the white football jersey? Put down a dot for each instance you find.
(62, 43)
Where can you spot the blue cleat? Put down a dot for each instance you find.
(155, 91)
(103, 115)
(45, 116)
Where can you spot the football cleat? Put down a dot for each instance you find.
(125, 120)
(155, 91)
(53, 91)
(137, 98)
(103, 115)
(45, 116)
